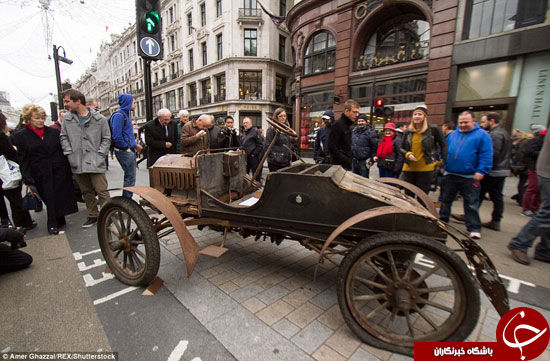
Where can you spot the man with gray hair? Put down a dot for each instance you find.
(183, 116)
(161, 136)
(194, 135)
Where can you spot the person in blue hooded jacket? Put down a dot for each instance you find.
(469, 159)
(122, 135)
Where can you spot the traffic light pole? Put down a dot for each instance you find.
(56, 59)
(148, 90)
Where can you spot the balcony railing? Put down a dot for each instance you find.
(175, 75)
(252, 14)
(255, 96)
(163, 80)
(155, 83)
(206, 100)
(192, 103)
(219, 97)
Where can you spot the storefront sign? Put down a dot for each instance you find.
(532, 105)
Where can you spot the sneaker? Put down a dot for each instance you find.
(491, 225)
(475, 235)
(89, 222)
(519, 256)
(528, 213)
(459, 217)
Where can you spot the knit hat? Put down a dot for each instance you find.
(362, 116)
(535, 128)
(329, 114)
(422, 108)
(389, 126)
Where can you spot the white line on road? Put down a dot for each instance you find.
(90, 281)
(114, 295)
(196, 359)
(97, 262)
(78, 256)
(178, 352)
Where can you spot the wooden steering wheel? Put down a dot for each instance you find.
(283, 128)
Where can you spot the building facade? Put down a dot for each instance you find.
(220, 57)
(413, 52)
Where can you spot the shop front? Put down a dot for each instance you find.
(313, 105)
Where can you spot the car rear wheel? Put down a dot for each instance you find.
(398, 288)
(128, 241)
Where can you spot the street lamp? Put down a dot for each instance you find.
(57, 58)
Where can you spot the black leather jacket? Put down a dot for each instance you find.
(433, 145)
(502, 151)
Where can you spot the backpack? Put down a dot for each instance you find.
(112, 147)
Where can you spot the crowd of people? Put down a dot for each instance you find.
(472, 159)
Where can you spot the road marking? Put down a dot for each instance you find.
(90, 281)
(97, 262)
(178, 352)
(114, 295)
(78, 256)
(196, 359)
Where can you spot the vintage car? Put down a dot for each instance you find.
(399, 282)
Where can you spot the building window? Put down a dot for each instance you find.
(250, 42)
(282, 8)
(320, 53)
(313, 106)
(220, 88)
(157, 104)
(282, 48)
(485, 17)
(204, 54)
(218, 8)
(191, 66)
(192, 95)
(173, 42)
(486, 81)
(171, 12)
(280, 89)
(250, 84)
(250, 8)
(189, 23)
(171, 100)
(219, 45)
(397, 41)
(180, 98)
(203, 14)
(206, 91)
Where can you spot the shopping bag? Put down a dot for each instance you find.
(9, 173)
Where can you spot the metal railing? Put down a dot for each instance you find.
(250, 13)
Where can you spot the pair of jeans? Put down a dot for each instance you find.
(538, 225)
(128, 163)
(470, 190)
(422, 180)
(493, 186)
(360, 167)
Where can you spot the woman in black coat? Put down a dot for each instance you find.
(280, 155)
(21, 217)
(44, 165)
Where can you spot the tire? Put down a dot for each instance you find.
(128, 241)
(381, 303)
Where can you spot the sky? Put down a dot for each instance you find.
(79, 26)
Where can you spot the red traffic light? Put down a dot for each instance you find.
(379, 102)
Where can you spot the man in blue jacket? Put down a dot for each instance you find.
(363, 146)
(122, 135)
(469, 159)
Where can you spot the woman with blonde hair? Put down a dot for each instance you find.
(422, 147)
(44, 165)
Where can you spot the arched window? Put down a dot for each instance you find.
(320, 53)
(396, 41)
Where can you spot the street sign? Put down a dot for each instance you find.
(149, 46)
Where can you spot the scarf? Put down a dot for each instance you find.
(385, 149)
(39, 132)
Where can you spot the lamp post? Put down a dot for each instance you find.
(57, 58)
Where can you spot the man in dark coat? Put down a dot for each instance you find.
(160, 136)
(339, 141)
(228, 135)
(320, 149)
(214, 135)
(363, 146)
(252, 143)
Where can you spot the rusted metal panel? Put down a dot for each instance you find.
(187, 242)
(426, 200)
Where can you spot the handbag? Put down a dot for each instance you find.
(9, 173)
(388, 163)
(31, 202)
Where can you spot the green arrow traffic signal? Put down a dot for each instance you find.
(151, 22)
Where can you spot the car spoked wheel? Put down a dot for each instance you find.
(395, 289)
(128, 241)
